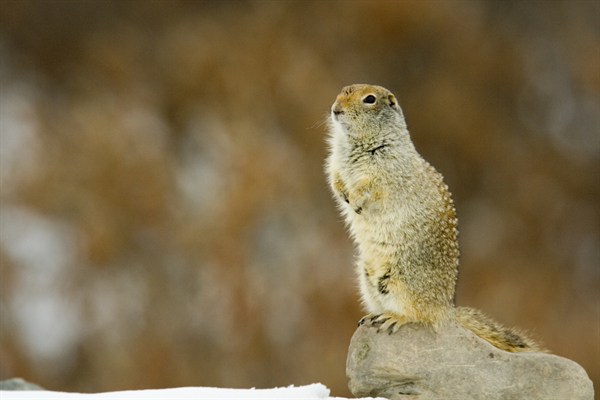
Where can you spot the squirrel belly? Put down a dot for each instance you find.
(401, 216)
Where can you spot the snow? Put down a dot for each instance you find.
(309, 392)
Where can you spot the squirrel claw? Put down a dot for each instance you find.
(373, 320)
(383, 322)
(368, 319)
(363, 320)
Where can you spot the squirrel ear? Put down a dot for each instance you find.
(392, 101)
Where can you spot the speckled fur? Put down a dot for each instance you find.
(401, 217)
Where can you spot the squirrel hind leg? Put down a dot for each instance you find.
(385, 322)
(499, 336)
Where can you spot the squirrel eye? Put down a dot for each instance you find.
(370, 99)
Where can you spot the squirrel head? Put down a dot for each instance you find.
(365, 110)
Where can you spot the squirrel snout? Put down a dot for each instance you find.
(336, 111)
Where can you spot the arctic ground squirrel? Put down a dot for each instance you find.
(402, 219)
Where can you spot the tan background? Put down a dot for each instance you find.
(165, 220)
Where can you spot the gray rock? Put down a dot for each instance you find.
(18, 384)
(417, 363)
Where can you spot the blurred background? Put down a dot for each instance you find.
(165, 219)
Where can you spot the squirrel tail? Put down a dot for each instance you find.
(507, 339)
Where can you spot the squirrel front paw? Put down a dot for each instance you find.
(339, 188)
(356, 196)
(360, 196)
(358, 204)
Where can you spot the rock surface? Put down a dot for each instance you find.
(18, 384)
(416, 363)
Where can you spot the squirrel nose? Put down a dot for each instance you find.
(336, 111)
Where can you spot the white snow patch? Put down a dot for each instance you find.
(309, 392)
